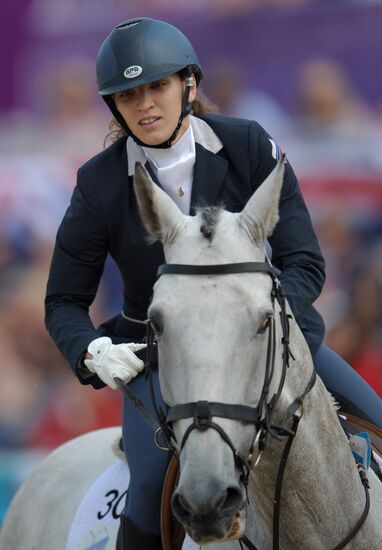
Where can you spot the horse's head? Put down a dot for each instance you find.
(212, 338)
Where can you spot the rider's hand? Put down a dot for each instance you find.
(111, 361)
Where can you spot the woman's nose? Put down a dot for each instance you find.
(145, 99)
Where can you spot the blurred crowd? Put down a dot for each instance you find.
(41, 403)
(334, 141)
(331, 135)
(332, 138)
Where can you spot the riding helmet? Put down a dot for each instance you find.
(139, 51)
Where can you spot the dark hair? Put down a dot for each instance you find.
(200, 106)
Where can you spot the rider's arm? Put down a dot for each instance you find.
(76, 269)
(295, 249)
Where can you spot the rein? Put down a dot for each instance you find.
(202, 412)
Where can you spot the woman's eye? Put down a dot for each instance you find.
(264, 325)
(125, 93)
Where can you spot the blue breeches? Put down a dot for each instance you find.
(349, 389)
(148, 464)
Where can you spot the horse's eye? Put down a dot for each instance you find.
(264, 325)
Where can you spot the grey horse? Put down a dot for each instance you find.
(213, 335)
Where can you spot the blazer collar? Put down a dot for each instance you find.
(203, 134)
(209, 174)
(209, 170)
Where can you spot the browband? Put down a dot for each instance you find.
(219, 269)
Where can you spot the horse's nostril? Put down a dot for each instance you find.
(233, 499)
(180, 506)
(228, 502)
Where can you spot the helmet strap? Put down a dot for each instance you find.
(186, 110)
(116, 114)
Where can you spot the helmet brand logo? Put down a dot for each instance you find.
(133, 71)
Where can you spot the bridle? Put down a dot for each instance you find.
(261, 416)
(202, 412)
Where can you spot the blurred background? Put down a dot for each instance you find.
(308, 71)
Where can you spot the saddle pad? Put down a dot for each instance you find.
(96, 522)
(189, 544)
(352, 424)
(359, 425)
(95, 525)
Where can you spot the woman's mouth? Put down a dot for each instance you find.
(149, 122)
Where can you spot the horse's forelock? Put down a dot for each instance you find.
(210, 217)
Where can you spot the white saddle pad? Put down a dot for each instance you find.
(189, 544)
(95, 525)
(96, 522)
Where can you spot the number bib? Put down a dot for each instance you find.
(96, 522)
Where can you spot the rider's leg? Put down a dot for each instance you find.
(350, 390)
(147, 463)
(131, 538)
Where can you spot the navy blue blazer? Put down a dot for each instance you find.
(103, 218)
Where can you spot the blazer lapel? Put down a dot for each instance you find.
(152, 173)
(209, 173)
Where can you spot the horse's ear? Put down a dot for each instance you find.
(261, 213)
(160, 215)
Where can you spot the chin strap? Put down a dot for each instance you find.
(186, 110)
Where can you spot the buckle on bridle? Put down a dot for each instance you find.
(252, 459)
(202, 415)
(162, 446)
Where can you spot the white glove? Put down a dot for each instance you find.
(114, 361)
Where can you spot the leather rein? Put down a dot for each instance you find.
(202, 412)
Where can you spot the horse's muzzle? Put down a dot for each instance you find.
(211, 517)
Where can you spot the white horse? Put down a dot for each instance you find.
(45, 508)
(213, 334)
(219, 332)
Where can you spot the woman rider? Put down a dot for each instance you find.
(148, 74)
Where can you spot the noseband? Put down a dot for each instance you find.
(202, 412)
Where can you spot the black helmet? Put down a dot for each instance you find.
(140, 51)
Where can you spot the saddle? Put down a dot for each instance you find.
(173, 533)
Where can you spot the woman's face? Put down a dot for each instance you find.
(152, 111)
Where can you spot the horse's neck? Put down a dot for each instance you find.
(320, 475)
(300, 369)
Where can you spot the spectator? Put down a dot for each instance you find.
(355, 343)
(68, 101)
(225, 85)
(335, 131)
